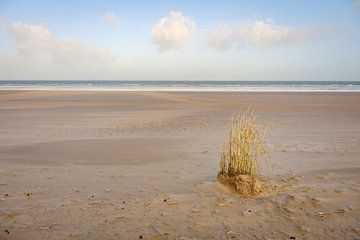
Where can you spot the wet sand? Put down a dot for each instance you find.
(130, 165)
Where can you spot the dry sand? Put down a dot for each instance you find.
(118, 165)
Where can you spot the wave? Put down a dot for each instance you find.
(186, 86)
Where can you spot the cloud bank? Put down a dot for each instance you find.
(111, 19)
(172, 31)
(36, 39)
(257, 34)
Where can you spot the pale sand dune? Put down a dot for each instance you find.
(111, 165)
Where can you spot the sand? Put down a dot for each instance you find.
(127, 165)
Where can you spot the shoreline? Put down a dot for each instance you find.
(188, 90)
(183, 86)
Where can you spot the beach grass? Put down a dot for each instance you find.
(240, 156)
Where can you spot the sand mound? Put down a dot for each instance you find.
(243, 184)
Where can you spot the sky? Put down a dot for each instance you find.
(303, 40)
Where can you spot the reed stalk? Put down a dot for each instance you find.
(240, 156)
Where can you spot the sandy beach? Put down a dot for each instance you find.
(143, 165)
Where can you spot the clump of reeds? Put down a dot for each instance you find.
(239, 159)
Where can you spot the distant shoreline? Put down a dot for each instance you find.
(180, 91)
(182, 86)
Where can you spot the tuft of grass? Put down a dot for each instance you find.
(246, 144)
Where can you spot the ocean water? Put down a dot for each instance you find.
(190, 86)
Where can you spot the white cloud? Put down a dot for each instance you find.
(111, 19)
(357, 4)
(31, 38)
(72, 51)
(223, 37)
(257, 34)
(262, 33)
(34, 39)
(172, 31)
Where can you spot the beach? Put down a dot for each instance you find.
(143, 165)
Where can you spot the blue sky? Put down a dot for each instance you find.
(180, 40)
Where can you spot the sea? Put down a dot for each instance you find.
(186, 86)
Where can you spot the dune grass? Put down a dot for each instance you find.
(241, 154)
